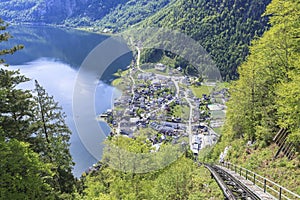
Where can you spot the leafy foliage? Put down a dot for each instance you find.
(5, 36)
(52, 139)
(265, 99)
(15, 106)
(23, 174)
(266, 95)
(182, 179)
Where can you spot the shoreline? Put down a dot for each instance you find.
(81, 28)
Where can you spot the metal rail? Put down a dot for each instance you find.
(232, 188)
(226, 190)
(262, 182)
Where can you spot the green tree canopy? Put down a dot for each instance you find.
(52, 137)
(34, 141)
(22, 173)
(265, 98)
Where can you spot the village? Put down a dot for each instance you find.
(157, 102)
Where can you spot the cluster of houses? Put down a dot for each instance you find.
(148, 96)
(147, 107)
(166, 130)
(222, 94)
(146, 103)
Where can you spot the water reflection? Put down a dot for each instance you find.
(58, 79)
(53, 56)
(67, 45)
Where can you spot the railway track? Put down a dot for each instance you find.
(232, 188)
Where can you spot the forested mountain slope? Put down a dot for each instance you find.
(101, 14)
(223, 28)
(182, 179)
(55, 11)
(266, 99)
(122, 16)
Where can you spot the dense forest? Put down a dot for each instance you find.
(267, 92)
(121, 17)
(224, 28)
(182, 179)
(114, 15)
(56, 11)
(266, 99)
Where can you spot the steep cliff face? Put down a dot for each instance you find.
(59, 8)
(37, 11)
(55, 11)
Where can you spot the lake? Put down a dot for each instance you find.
(53, 56)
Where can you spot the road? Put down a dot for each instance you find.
(190, 130)
(207, 139)
(176, 83)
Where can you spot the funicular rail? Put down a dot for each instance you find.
(268, 186)
(232, 188)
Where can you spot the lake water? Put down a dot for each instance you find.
(53, 56)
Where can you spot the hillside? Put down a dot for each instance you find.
(102, 14)
(55, 11)
(224, 28)
(265, 101)
(121, 16)
(182, 179)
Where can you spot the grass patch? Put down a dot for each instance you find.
(116, 82)
(183, 86)
(181, 111)
(217, 114)
(260, 160)
(123, 73)
(198, 91)
(218, 130)
(222, 85)
(166, 73)
(168, 61)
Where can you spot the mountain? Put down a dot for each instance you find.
(100, 14)
(122, 16)
(224, 28)
(37, 10)
(55, 11)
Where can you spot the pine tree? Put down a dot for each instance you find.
(5, 36)
(15, 104)
(52, 138)
(26, 174)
